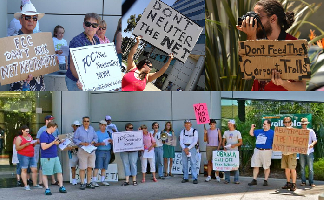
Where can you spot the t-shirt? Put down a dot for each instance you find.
(264, 139)
(148, 139)
(157, 138)
(57, 45)
(232, 137)
(101, 137)
(110, 128)
(212, 137)
(50, 152)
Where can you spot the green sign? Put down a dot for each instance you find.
(277, 120)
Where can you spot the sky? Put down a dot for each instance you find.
(138, 8)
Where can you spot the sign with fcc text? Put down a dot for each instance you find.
(168, 30)
(98, 67)
(201, 113)
(226, 160)
(128, 141)
(26, 54)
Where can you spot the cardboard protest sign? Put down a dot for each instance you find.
(273, 48)
(177, 167)
(168, 30)
(26, 54)
(201, 113)
(289, 67)
(226, 160)
(98, 67)
(128, 141)
(290, 140)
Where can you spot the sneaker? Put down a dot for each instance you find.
(208, 179)
(19, 183)
(195, 181)
(253, 182)
(29, 182)
(265, 183)
(218, 179)
(82, 186)
(293, 187)
(27, 188)
(74, 182)
(161, 177)
(62, 189)
(48, 192)
(95, 184)
(287, 186)
(226, 182)
(104, 183)
(37, 187)
(184, 180)
(90, 186)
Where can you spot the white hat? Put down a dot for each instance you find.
(76, 122)
(24, 2)
(232, 121)
(108, 117)
(28, 9)
(103, 122)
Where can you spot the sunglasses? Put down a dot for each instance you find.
(130, 127)
(86, 121)
(77, 125)
(102, 28)
(88, 24)
(28, 17)
(150, 66)
(27, 131)
(286, 122)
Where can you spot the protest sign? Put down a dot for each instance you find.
(168, 30)
(290, 140)
(289, 67)
(98, 67)
(26, 54)
(201, 113)
(177, 167)
(111, 174)
(128, 141)
(226, 160)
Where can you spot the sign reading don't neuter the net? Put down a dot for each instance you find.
(98, 67)
(168, 30)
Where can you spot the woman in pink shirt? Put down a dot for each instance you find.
(101, 32)
(138, 75)
(149, 143)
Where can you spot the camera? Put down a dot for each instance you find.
(250, 14)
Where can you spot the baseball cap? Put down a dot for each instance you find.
(232, 121)
(187, 121)
(49, 117)
(76, 122)
(108, 117)
(103, 122)
(212, 121)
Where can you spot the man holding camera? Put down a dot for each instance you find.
(271, 23)
(262, 152)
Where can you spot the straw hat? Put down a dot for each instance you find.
(304, 121)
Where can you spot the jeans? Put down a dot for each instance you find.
(71, 85)
(159, 159)
(130, 162)
(193, 163)
(309, 160)
(236, 176)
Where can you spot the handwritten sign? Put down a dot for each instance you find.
(128, 141)
(201, 113)
(290, 140)
(98, 67)
(168, 30)
(177, 167)
(226, 160)
(26, 54)
(111, 174)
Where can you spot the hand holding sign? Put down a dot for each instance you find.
(201, 113)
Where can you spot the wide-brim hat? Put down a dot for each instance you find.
(28, 9)
(76, 122)
(304, 121)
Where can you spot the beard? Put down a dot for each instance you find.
(267, 30)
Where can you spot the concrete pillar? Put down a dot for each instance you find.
(3, 18)
(195, 74)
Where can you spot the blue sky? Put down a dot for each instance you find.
(138, 8)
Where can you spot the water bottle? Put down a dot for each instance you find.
(26, 87)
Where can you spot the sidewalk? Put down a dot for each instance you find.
(172, 188)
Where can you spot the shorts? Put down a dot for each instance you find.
(209, 152)
(289, 161)
(26, 162)
(18, 169)
(74, 161)
(51, 166)
(102, 159)
(261, 158)
(86, 159)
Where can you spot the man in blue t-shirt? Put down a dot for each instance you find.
(262, 152)
(49, 159)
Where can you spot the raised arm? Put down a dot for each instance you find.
(153, 76)
(252, 129)
(130, 62)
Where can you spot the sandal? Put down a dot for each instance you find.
(143, 181)
(125, 184)
(312, 185)
(154, 179)
(170, 174)
(303, 184)
(165, 174)
(56, 183)
(135, 183)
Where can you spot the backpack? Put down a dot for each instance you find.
(197, 145)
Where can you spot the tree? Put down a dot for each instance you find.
(132, 22)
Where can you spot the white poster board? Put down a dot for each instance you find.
(177, 167)
(168, 30)
(111, 174)
(128, 141)
(226, 160)
(98, 67)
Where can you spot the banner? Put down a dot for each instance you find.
(226, 160)
(98, 67)
(290, 140)
(168, 30)
(128, 141)
(277, 120)
(26, 54)
(201, 113)
(177, 167)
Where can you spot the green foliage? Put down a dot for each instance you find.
(318, 170)
(132, 22)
